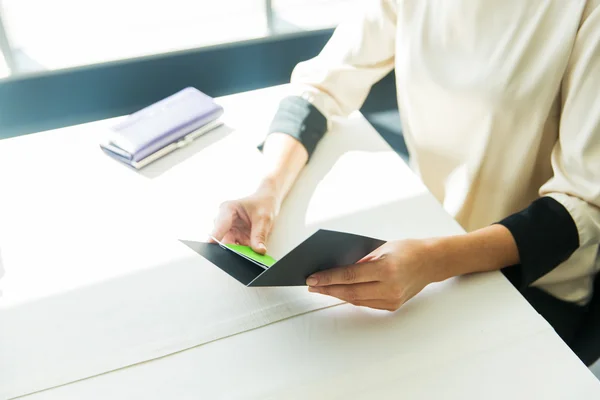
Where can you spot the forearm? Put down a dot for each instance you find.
(526, 245)
(488, 249)
(284, 159)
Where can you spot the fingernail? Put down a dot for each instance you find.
(312, 281)
(313, 289)
(261, 248)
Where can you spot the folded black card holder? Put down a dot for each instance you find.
(323, 250)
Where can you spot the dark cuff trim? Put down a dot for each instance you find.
(546, 236)
(300, 119)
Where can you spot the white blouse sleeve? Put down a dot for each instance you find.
(360, 53)
(576, 155)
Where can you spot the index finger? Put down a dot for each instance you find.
(365, 272)
(222, 224)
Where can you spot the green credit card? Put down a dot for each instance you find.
(247, 252)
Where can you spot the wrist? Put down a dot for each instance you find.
(441, 254)
(272, 187)
(488, 249)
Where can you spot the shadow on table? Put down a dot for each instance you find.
(1, 271)
(377, 221)
(177, 157)
(383, 221)
(295, 208)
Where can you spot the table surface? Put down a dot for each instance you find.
(471, 337)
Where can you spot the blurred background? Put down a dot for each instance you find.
(65, 62)
(45, 35)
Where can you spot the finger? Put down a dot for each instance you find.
(377, 304)
(368, 257)
(352, 293)
(236, 236)
(375, 254)
(223, 222)
(357, 273)
(261, 226)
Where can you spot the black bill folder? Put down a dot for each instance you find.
(323, 250)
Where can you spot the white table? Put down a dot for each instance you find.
(468, 338)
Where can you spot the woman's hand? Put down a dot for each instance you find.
(397, 271)
(247, 221)
(385, 279)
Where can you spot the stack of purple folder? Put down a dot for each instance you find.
(163, 127)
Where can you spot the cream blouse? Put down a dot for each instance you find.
(499, 101)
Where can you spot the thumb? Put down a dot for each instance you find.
(260, 232)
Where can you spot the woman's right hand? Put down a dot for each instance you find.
(247, 221)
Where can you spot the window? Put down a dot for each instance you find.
(311, 14)
(38, 35)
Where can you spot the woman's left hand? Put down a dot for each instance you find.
(385, 279)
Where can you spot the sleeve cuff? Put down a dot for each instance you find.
(546, 236)
(300, 119)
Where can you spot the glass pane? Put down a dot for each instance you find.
(54, 34)
(3, 67)
(311, 14)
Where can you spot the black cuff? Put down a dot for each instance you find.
(298, 118)
(546, 236)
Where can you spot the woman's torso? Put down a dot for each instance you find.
(479, 95)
